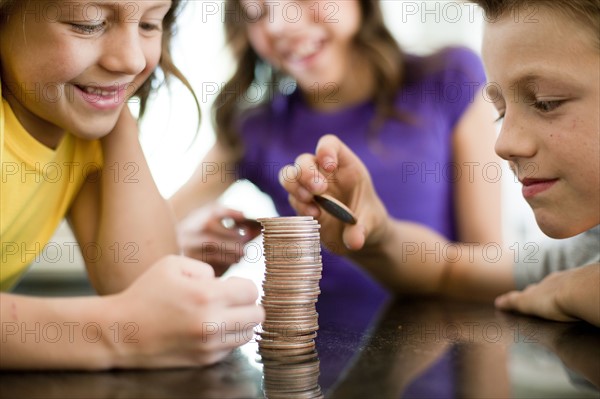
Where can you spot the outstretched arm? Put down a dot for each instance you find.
(175, 315)
(406, 257)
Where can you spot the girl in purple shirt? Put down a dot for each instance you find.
(420, 124)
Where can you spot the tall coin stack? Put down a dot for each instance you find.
(293, 265)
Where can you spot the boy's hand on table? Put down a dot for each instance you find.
(567, 295)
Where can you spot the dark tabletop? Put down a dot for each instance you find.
(414, 348)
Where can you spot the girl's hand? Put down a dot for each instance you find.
(203, 236)
(337, 171)
(183, 316)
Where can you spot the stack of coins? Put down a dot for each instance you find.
(293, 266)
(295, 380)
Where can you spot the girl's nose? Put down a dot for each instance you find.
(123, 52)
(285, 16)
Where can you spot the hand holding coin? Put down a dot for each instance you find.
(328, 180)
(335, 208)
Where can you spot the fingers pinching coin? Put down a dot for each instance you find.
(335, 208)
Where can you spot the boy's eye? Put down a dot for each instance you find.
(149, 27)
(88, 29)
(501, 113)
(547, 106)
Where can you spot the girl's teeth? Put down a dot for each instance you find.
(307, 49)
(97, 92)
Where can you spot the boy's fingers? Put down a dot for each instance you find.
(508, 301)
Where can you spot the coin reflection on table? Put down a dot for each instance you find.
(291, 289)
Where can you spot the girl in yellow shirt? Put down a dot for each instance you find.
(67, 70)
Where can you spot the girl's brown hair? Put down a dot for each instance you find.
(166, 64)
(373, 41)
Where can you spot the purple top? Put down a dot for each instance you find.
(410, 162)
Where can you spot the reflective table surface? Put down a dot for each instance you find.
(413, 348)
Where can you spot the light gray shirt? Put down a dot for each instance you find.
(537, 262)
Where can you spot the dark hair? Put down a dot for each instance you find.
(165, 64)
(4, 6)
(373, 40)
(585, 12)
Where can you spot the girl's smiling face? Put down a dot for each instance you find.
(312, 41)
(545, 80)
(70, 66)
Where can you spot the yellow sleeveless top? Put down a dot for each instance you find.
(37, 187)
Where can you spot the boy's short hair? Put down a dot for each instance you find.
(581, 11)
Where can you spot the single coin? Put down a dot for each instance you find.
(335, 208)
(281, 373)
(298, 265)
(274, 335)
(287, 286)
(286, 218)
(313, 393)
(295, 288)
(286, 331)
(274, 344)
(302, 311)
(306, 369)
(302, 325)
(279, 352)
(282, 299)
(290, 359)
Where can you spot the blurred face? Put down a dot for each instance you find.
(309, 40)
(70, 66)
(545, 80)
